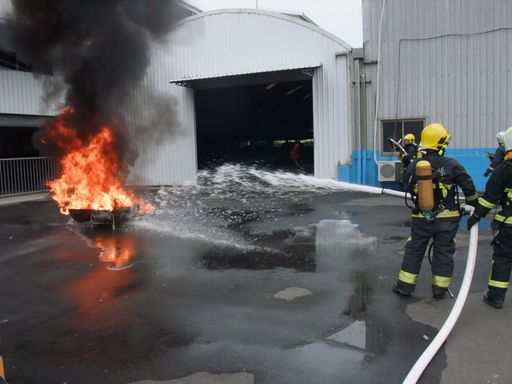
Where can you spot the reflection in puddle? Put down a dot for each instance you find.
(100, 295)
(257, 259)
(100, 298)
(329, 358)
(117, 251)
(353, 335)
(336, 235)
(365, 329)
(278, 249)
(358, 302)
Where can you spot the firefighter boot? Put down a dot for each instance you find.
(438, 292)
(403, 289)
(493, 300)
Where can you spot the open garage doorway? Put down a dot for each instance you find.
(264, 119)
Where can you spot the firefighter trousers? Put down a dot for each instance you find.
(443, 235)
(501, 264)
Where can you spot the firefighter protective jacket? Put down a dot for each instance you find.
(496, 160)
(498, 190)
(447, 173)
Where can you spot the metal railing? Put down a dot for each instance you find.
(26, 174)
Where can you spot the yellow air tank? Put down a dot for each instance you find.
(2, 372)
(425, 188)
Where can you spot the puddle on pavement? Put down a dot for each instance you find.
(228, 258)
(328, 356)
(215, 230)
(218, 217)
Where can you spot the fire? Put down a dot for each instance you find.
(91, 170)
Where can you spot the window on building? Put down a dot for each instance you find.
(397, 129)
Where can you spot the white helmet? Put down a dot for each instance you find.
(507, 139)
(499, 137)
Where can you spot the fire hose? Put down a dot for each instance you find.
(429, 353)
(397, 144)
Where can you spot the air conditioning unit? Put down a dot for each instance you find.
(390, 171)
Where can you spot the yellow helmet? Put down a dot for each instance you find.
(410, 137)
(434, 136)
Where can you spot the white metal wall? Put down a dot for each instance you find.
(168, 157)
(446, 60)
(241, 41)
(5, 8)
(22, 93)
(333, 142)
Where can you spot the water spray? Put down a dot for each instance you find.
(250, 178)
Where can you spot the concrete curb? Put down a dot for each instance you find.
(24, 198)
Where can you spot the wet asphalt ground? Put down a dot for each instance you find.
(293, 287)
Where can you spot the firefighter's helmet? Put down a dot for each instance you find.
(507, 139)
(410, 137)
(434, 136)
(499, 137)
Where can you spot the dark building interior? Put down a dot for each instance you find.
(255, 119)
(16, 135)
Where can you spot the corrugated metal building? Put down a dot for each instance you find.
(445, 61)
(440, 60)
(224, 46)
(227, 44)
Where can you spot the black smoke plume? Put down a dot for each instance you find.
(100, 48)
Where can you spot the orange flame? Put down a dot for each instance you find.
(90, 171)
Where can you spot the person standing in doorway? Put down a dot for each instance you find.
(295, 154)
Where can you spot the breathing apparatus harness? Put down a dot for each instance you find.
(424, 200)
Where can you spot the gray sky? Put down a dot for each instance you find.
(340, 17)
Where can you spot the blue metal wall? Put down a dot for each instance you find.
(364, 170)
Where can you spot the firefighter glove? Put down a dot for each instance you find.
(472, 220)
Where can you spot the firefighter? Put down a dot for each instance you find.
(411, 148)
(499, 190)
(432, 181)
(295, 154)
(498, 156)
